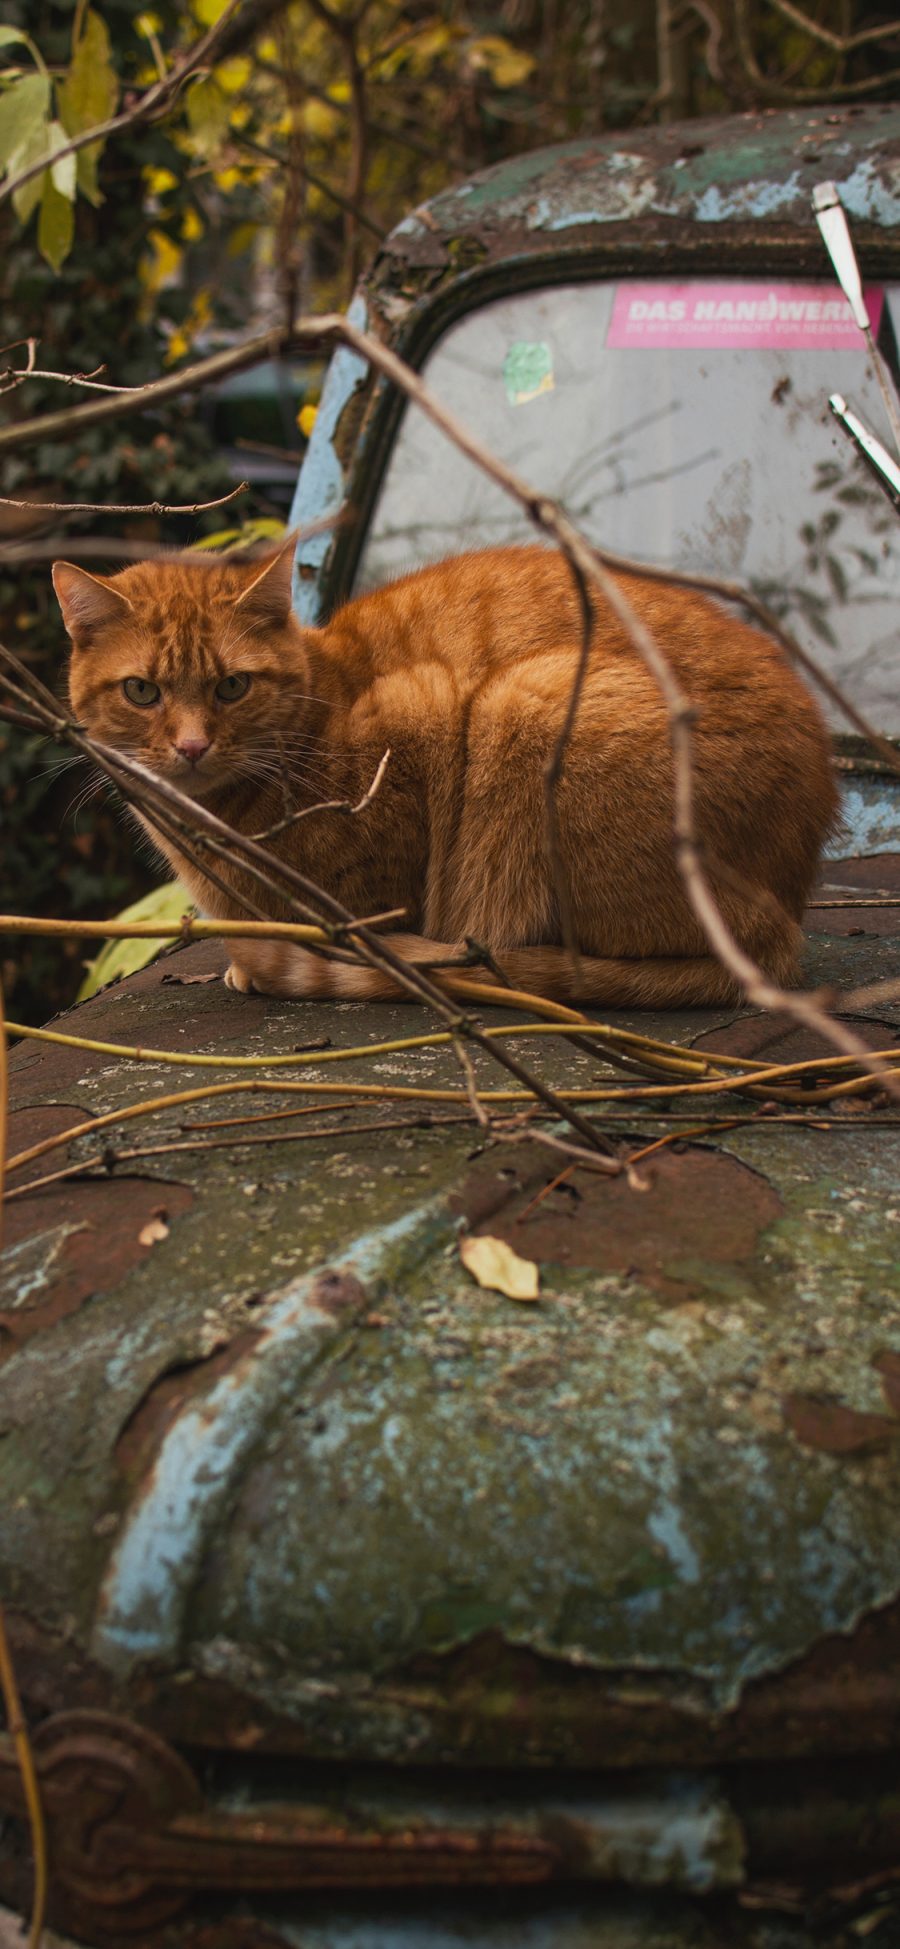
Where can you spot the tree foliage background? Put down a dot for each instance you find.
(253, 191)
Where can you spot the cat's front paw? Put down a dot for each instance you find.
(277, 968)
(237, 977)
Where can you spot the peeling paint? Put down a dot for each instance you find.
(157, 1558)
(320, 488)
(870, 818)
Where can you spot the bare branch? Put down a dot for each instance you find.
(330, 805)
(593, 563)
(204, 53)
(772, 89)
(109, 507)
(13, 376)
(841, 43)
(71, 421)
(351, 209)
(155, 797)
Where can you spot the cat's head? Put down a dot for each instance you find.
(193, 666)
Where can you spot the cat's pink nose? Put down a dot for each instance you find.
(193, 749)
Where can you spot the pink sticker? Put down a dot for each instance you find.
(782, 317)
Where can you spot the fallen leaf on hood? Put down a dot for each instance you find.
(189, 981)
(496, 1266)
(155, 1229)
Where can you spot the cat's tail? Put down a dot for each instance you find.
(657, 981)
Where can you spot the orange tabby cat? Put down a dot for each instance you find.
(201, 670)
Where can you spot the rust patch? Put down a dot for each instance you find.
(230, 1934)
(334, 1292)
(823, 1423)
(93, 1239)
(887, 1364)
(120, 1014)
(841, 879)
(149, 1423)
(771, 1040)
(700, 1207)
(30, 1126)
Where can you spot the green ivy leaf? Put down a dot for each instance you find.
(23, 110)
(88, 97)
(56, 225)
(62, 168)
(208, 116)
(165, 903)
(28, 197)
(10, 34)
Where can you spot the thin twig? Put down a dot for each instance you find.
(110, 507)
(188, 929)
(203, 54)
(105, 1162)
(332, 805)
(148, 790)
(481, 1115)
(593, 564)
(840, 43)
(353, 211)
(71, 421)
(553, 770)
(11, 377)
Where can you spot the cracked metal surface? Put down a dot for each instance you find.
(287, 1480)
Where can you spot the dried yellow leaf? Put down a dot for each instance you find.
(496, 1266)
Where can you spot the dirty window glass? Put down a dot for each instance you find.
(685, 424)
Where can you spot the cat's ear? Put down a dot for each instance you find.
(268, 597)
(87, 601)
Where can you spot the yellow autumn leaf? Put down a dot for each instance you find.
(507, 66)
(125, 957)
(497, 1267)
(158, 181)
(320, 119)
(208, 11)
(184, 334)
(234, 75)
(162, 263)
(191, 226)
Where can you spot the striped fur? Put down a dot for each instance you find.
(464, 670)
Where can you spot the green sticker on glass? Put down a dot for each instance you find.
(527, 371)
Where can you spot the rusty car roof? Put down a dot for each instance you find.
(729, 193)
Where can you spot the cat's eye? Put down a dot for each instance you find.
(139, 690)
(229, 689)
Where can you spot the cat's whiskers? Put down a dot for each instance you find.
(55, 767)
(91, 790)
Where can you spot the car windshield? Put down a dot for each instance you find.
(686, 424)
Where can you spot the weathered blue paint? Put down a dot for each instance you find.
(870, 815)
(321, 485)
(158, 1556)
